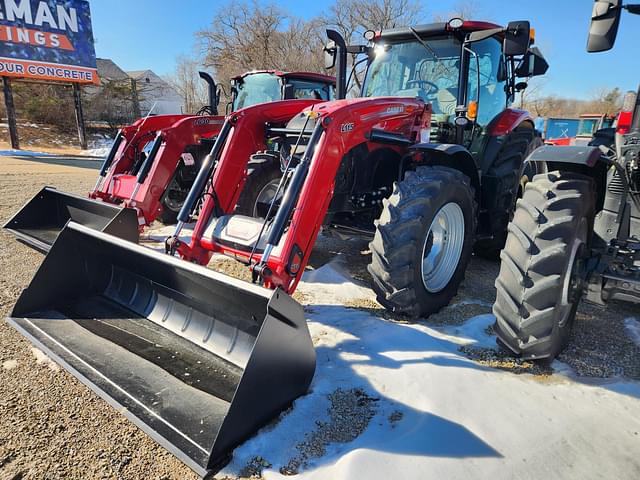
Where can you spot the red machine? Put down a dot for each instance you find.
(427, 164)
(153, 162)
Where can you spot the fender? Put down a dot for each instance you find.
(507, 121)
(451, 155)
(583, 155)
(498, 130)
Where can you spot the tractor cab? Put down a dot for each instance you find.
(466, 70)
(262, 86)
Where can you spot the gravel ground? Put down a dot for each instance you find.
(51, 426)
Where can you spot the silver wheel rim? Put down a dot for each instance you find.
(264, 198)
(442, 247)
(171, 203)
(566, 303)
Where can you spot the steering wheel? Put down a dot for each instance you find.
(433, 88)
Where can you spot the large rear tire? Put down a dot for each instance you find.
(423, 241)
(511, 175)
(542, 272)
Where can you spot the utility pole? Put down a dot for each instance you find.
(11, 113)
(77, 100)
(135, 100)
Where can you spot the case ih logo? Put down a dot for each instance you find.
(47, 40)
(347, 127)
(395, 109)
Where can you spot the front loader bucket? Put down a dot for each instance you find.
(40, 221)
(196, 359)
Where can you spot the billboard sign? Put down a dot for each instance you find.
(47, 40)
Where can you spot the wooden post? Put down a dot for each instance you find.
(82, 132)
(136, 101)
(11, 113)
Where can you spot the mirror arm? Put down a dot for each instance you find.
(633, 8)
(356, 49)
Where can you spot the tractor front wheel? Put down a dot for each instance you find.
(543, 268)
(259, 190)
(423, 241)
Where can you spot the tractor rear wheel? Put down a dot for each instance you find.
(259, 189)
(511, 174)
(423, 241)
(542, 273)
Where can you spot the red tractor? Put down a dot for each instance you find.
(426, 163)
(153, 162)
(413, 164)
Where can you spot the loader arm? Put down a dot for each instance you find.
(132, 136)
(145, 193)
(344, 125)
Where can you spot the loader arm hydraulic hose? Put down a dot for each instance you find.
(291, 195)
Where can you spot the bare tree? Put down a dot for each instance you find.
(247, 36)
(465, 9)
(187, 83)
(351, 18)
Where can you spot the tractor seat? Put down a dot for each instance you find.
(236, 231)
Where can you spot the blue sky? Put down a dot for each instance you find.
(140, 34)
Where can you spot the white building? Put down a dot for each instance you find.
(153, 90)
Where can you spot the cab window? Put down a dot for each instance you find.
(485, 66)
(311, 89)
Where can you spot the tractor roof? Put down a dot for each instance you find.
(319, 77)
(433, 29)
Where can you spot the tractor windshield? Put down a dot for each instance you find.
(409, 69)
(256, 88)
(588, 126)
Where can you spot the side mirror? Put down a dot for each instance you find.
(517, 38)
(605, 20)
(532, 64)
(330, 55)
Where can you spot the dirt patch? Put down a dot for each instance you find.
(349, 415)
(600, 345)
(500, 359)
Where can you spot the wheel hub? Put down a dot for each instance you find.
(442, 247)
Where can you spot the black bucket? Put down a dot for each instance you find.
(198, 360)
(40, 221)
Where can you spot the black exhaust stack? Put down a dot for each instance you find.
(341, 63)
(214, 99)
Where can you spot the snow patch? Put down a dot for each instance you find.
(474, 331)
(25, 153)
(9, 364)
(632, 325)
(332, 285)
(42, 358)
(99, 146)
(439, 414)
